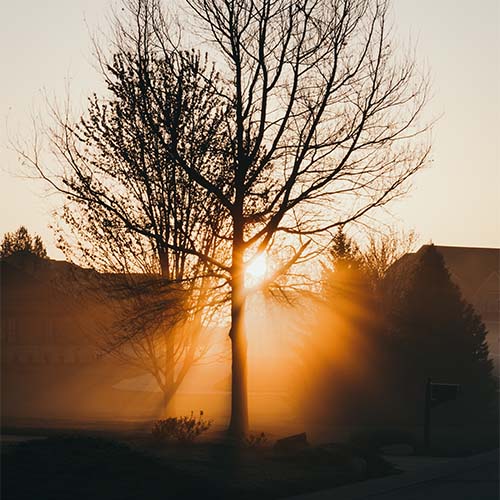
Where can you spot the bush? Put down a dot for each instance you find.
(255, 441)
(183, 429)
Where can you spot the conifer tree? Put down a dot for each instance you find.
(22, 241)
(436, 333)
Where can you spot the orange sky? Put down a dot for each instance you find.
(45, 45)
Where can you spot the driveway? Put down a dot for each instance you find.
(471, 478)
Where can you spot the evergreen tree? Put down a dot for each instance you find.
(340, 356)
(22, 241)
(435, 333)
(344, 282)
(344, 253)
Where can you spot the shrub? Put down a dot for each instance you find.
(255, 441)
(183, 429)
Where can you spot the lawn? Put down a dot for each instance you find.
(127, 464)
(82, 467)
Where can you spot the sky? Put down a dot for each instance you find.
(46, 49)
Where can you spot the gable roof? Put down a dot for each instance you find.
(470, 267)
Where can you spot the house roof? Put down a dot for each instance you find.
(470, 267)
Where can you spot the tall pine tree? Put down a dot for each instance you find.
(436, 333)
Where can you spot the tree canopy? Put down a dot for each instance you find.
(434, 332)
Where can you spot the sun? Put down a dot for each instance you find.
(255, 270)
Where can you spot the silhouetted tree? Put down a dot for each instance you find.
(383, 250)
(317, 127)
(371, 348)
(318, 97)
(434, 333)
(132, 210)
(22, 241)
(346, 354)
(343, 253)
(148, 222)
(340, 355)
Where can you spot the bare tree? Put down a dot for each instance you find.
(385, 249)
(318, 124)
(326, 113)
(131, 212)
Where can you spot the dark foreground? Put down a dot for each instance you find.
(465, 478)
(127, 463)
(476, 483)
(82, 467)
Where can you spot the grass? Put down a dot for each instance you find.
(81, 467)
(77, 467)
(130, 464)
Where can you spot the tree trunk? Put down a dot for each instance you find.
(168, 406)
(238, 425)
(168, 403)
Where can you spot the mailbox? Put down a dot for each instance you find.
(443, 392)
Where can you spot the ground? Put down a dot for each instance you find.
(130, 464)
(82, 466)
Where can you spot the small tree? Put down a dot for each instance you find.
(343, 253)
(22, 241)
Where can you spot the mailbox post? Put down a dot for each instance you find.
(427, 415)
(435, 394)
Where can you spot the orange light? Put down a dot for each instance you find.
(255, 270)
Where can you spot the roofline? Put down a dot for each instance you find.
(459, 246)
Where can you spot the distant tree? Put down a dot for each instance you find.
(132, 211)
(435, 333)
(343, 253)
(372, 260)
(22, 241)
(345, 282)
(375, 257)
(340, 350)
(384, 249)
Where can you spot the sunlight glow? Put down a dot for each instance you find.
(255, 270)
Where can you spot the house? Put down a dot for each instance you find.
(51, 366)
